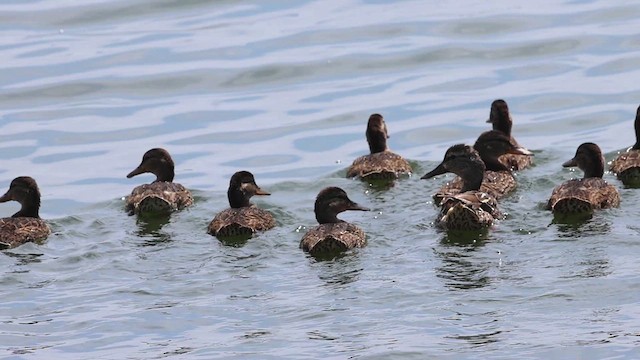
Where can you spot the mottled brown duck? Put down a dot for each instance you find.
(243, 218)
(471, 208)
(627, 165)
(333, 235)
(498, 180)
(381, 163)
(580, 196)
(500, 118)
(162, 196)
(25, 225)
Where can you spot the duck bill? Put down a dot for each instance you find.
(570, 163)
(137, 171)
(439, 170)
(6, 197)
(520, 151)
(252, 188)
(354, 206)
(489, 121)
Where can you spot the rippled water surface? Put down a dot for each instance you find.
(284, 89)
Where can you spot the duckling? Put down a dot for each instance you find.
(242, 218)
(333, 235)
(501, 120)
(578, 196)
(627, 165)
(25, 225)
(162, 195)
(471, 208)
(381, 164)
(498, 179)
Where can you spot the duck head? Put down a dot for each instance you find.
(500, 118)
(464, 161)
(377, 134)
(492, 144)
(589, 159)
(24, 190)
(242, 187)
(330, 202)
(158, 162)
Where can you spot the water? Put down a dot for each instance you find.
(283, 89)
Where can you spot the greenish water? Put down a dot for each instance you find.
(284, 89)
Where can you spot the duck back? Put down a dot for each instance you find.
(332, 238)
(244, 221)
(627, 167)
(582, 196)
(158, 197)
(16, 231)
(384, 165)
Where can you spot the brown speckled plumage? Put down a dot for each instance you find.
(243, 218)
(469, 208)
(501, 120)
(332, 235)
(161, 196)
(627, 165)
(381, 163)
(589, 193)
(25, 225)
(498, 181)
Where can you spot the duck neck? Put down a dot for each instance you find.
(596, 170)
(501, 122)
(636, 146)
(472, 177)
(492, 163)
(237, 198)
(29, 209)
(165, 173)
(377, 141)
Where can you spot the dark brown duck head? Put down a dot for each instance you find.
(589, 159)
(330, 202)
(158, 162)
(492, 144)
(377, 134)
(464, 161)
(636, 124)
(241, 188)
(500, 117)
(24, 190)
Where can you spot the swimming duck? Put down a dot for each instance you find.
(498, 179)
(25, 225)
(471, 208)
(243, 218)
(591, 192)
(381, 164)
(501, 120)
(627, 165)
(333, 235)
(162, 195)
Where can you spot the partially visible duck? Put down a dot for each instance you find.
(333, 235)
(25, 225)
(578, 196)
(501, 120)
(498, 180)
(162, 195)
(243, 218)
(627, 165)
(381, 164)
(471, 208)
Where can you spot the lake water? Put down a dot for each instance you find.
(284, 89)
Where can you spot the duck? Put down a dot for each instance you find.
(242, 218)
(25, 225)
(500, 118)
(498, 179)
(627, 165)
(381, 163)
(333, 235)
(470, 209)
(162, 196)
(578, 196)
